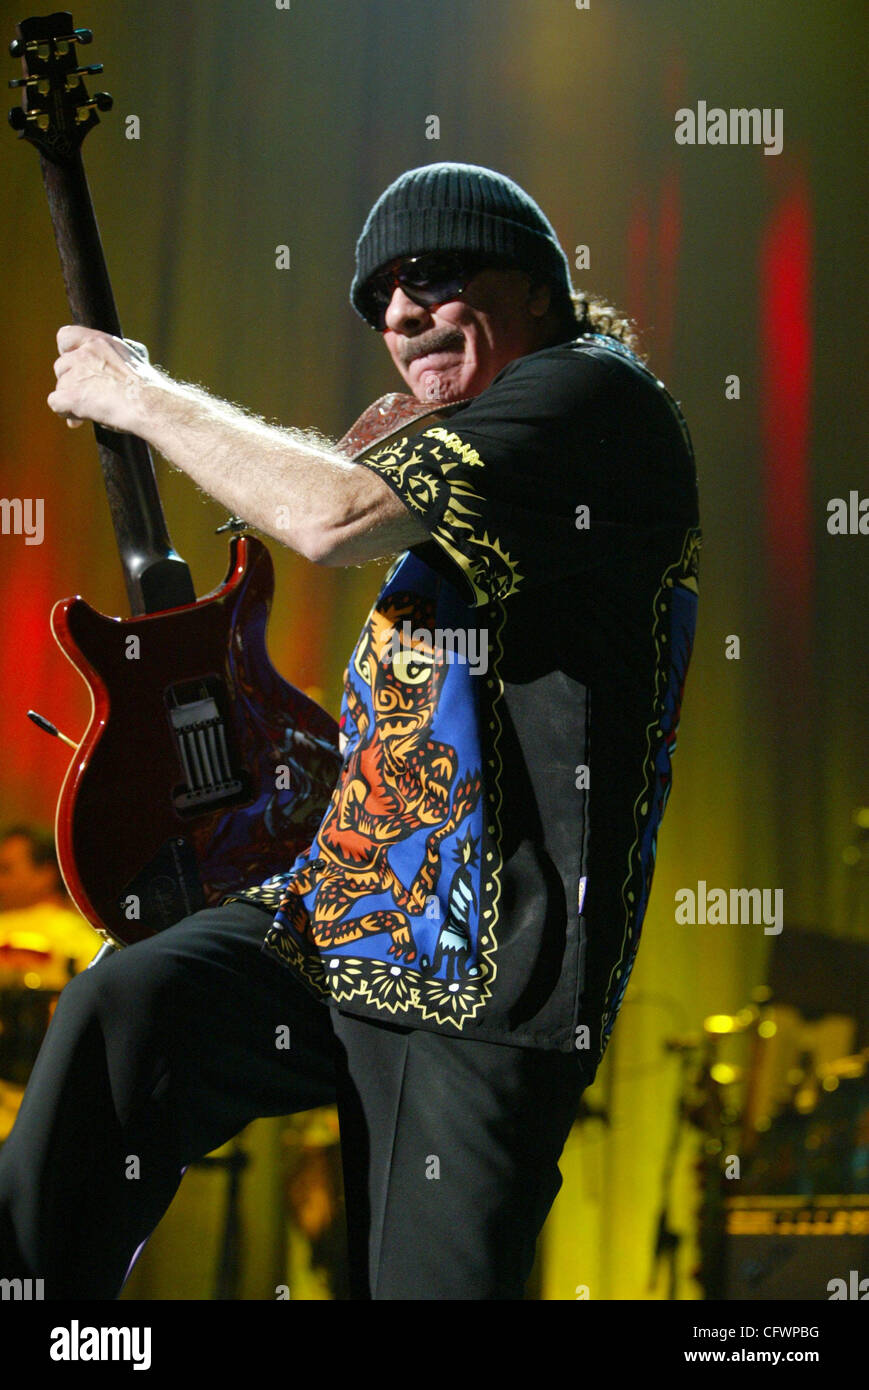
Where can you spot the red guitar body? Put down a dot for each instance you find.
(149, 827)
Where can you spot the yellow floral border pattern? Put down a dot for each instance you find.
(491, 572)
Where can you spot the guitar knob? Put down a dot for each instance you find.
(17, 118)
(16, 49)
(104, 102)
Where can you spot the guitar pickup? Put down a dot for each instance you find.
(211, 776)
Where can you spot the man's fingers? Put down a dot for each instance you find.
(72, 335)
(54, 402)
(98, 374)
(73, 421)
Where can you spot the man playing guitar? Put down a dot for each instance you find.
(450, 952)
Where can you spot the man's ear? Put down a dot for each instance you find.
(539, 298)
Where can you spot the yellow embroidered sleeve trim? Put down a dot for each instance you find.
(489, 569)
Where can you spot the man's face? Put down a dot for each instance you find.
(23, 883)
(452, 351)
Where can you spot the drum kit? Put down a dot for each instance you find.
(780, 1101)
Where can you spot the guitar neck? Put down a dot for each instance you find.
(156, 577)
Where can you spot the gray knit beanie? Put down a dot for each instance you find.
(458, 207)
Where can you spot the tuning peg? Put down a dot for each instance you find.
(41, 47)
(73, 78)
(101, 100)
(42, 84)
(19, 118)
(18, 47)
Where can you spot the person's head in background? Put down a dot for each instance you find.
(28, 869)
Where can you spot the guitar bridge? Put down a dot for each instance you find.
(204, 748)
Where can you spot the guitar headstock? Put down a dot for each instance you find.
(56, 113)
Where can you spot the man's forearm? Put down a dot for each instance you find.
(290, 484)
(285, 482)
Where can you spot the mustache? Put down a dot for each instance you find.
(438, 340)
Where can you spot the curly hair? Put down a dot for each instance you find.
(591, 314)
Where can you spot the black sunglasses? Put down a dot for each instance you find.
(433, 278)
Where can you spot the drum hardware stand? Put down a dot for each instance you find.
(228, 1274)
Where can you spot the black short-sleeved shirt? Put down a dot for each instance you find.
(510, 711)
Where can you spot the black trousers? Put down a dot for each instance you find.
(168, 1048)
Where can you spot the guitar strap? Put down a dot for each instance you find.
(394, 413)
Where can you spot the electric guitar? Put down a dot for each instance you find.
(201, 771)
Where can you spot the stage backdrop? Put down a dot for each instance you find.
(239, 129)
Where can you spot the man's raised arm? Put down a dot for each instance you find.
(287, 483)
